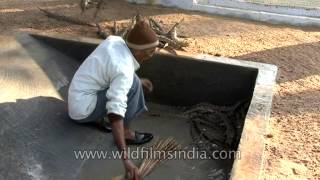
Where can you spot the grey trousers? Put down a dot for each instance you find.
(135, 104)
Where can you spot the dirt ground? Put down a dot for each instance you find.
(292, 143)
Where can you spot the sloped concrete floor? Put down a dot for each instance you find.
(163, 121)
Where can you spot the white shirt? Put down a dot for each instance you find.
(111, 65)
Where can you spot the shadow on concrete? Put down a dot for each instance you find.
(38, 138)
(294, 62)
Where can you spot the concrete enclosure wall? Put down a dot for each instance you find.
(185, 81)
(179, 80)
(301, 16)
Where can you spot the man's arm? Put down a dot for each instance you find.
(120, 84)
(118, 134)
(118, 130)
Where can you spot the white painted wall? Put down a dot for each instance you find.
(184, 4)
(243, 4)
(259, 12)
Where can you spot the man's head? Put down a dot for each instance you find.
(142, 41)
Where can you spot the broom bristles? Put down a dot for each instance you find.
(164, 146)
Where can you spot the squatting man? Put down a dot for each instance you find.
(106, 91)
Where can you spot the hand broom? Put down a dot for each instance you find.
(163, 147)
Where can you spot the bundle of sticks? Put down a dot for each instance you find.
(158, 153)
(168, 39)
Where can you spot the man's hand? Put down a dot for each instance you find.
(147, 85)
(132, 172)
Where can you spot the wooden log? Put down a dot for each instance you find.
(102, 34)
(170, 50)
(115, 28)
(155, 23)
(123, 33)
(173, 34)
(173, 31)
(157, 31)
(172, 43)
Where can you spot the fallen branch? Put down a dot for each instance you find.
(171, 42)
(156, 27)
(172, 33)
(170, 37)
(157, 31)
(133, 22)
(115, 28)
(65, 18)
(182, 36)
(167, 40)
(170, 50)
(155, 23)
(176, 25)
(123, 33)
(102, 34)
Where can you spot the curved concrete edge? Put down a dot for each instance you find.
(251, 148)
(257, 15)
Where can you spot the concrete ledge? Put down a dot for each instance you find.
(252, 143)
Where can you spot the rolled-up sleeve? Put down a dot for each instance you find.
(120, 83)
